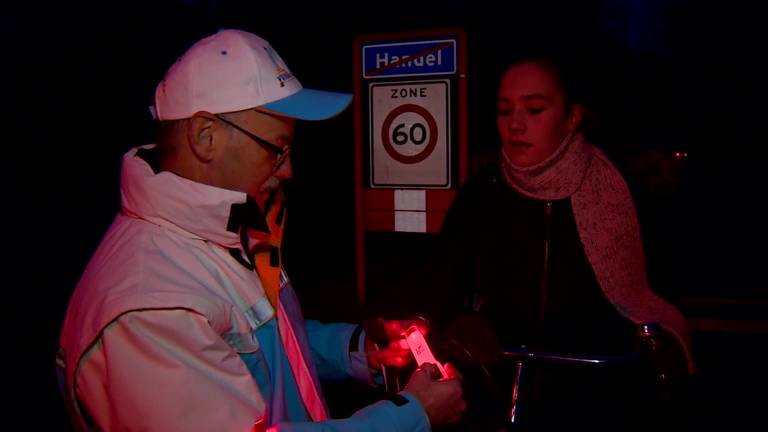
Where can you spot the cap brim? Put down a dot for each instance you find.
(308, 104)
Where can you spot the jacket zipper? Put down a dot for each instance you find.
(547, 235)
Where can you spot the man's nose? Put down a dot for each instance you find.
(285, 170)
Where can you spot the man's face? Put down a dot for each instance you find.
(249, 167)
(530, 114)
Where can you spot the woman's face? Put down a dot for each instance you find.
(530, 114)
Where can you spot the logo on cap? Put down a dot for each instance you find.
(283, 75)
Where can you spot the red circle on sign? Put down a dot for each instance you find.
(431, 124)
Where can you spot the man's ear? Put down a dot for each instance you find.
(200, 136)
(575, 117)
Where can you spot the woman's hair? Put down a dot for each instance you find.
(562, 68)
(570, 71)
(568, 65)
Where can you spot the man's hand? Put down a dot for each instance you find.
(443, 400)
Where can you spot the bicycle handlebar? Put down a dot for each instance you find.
(646, 334)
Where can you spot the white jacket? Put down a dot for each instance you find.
(161, 326)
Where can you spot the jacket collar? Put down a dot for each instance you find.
(189, 208)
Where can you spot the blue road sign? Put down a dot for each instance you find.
(432, 57)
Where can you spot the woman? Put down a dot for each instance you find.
(546, 246)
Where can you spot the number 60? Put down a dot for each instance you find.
(399, 136)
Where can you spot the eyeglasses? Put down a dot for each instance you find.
(281, 153)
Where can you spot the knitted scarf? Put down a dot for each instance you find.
(607, 224)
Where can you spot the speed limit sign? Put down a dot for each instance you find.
(410, 134)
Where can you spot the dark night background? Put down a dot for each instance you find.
(665, 76)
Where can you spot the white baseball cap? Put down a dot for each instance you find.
(234, 70)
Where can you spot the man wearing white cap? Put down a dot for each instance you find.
(185, 319)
